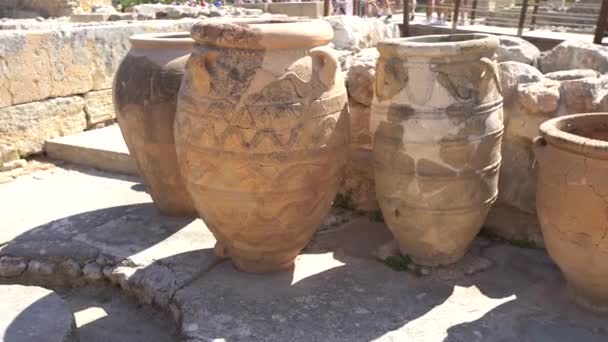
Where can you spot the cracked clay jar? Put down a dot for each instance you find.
(261, 136)
(437, 126)
(572, 202)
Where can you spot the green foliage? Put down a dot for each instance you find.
(521, 243)
(344, 201)
(376, 216)
(397, 263)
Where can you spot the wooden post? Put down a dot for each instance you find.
(473, 10)
(455, 15)
(602, 23)
(405, 28)
(326, 8)
(522, 18)
(534, 13)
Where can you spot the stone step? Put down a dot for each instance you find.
(31, 313)
(104, 149)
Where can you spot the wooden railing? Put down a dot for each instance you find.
(584, 16)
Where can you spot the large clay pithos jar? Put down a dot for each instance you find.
(261, 136)
(572, 202)
(145, 99)
(437, 125)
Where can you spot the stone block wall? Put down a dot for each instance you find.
(58, 82)
(50, 8)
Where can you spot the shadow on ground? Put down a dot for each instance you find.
(115, 233)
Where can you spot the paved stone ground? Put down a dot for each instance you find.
(78, 227)
(104, 314)
(32, 313)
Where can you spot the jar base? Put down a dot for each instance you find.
(262, 267)
(435, 261)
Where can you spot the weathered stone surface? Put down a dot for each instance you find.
(67, 61)
(345, 57)
(584, 95)
(514, 73)
(359, 124)
(89, 17)
(358, 182)
(355, 33)
(27, 126)
(103, 8)
(121, 16)
(539, 97)
(70, 268)
(102, 148)
(99, 107)
(13, 164)
(52, 8)
(574, 54)
(574, 74)
(12, 266)
(92, 272)
(8, 153)
(360, 77)
(514, 224)
(516, 49)
(40, 268)
(30, 313)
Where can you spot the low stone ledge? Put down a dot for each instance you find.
(99, 107)
(24, 128)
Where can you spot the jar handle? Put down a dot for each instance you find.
(538, 146)
(328, 59)
(493, 67)
(199, 74)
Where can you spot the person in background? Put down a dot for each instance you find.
(385, 9)
(218, 3)
(430, 8)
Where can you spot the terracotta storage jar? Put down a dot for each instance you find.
(437, 125)
(261, 136)
(572, 202)
(145, 99)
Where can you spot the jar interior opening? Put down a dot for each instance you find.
(591, 129)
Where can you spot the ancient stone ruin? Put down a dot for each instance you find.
(263, 172)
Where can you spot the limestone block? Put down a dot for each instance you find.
(99, 107)
(571, 75)
(27, 126)
(584, 95)
(360, 77)
(355, 33)
(514, 73)
(516, 49)
(89, 17)
(573, 54)
(72, 60)
(539, 97)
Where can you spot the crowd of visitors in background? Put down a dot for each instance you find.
(367, 7)
(203, 3)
